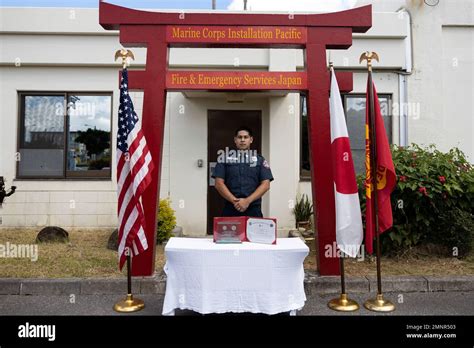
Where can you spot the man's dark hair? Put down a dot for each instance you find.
(243, 128)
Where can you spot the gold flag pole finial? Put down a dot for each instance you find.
(126, 56)
(331, 65)
(368, 56)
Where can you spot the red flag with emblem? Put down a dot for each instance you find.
(386, 177)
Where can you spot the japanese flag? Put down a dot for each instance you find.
(348, 216)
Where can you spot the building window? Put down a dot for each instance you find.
(65, 135)
(354, 108)
(305, 172)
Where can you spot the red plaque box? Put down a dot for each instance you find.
(239, 229)
(229, 229)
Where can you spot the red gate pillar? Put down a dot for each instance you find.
(153, 82)
(319, 134)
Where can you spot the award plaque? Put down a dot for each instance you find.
(261, 230)
(229, 229)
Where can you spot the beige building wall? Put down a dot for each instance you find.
(426, 65)
(441, 83)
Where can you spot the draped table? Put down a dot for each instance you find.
(206, 277)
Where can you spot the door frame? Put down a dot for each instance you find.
(260, 112)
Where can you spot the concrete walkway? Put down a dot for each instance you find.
(413, 295)
(414, 303)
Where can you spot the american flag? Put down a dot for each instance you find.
(134, 167)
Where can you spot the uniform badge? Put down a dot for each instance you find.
(266, 165)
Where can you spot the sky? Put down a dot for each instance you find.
(253, 5)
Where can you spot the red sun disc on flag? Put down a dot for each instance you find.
(344, 174)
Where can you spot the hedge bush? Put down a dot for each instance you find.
(433, 201)
(166, 221)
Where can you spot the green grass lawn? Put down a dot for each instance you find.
(86, 256)
(414, 263)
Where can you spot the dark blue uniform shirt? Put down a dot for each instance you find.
(244, 176)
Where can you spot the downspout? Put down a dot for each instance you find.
(403, 83)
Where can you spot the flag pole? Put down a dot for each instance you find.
(342, 303)
(129, 304)
(378, 304)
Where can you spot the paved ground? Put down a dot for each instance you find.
(412, 309)
(414, 303)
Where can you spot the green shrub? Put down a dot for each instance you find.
(166, 221)
(433, 200)
(455, 232)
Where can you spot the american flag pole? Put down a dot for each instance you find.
(129, 304)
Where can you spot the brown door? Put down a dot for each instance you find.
(221, 126)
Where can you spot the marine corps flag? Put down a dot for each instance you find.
(385, 171)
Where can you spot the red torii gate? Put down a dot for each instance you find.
(315, 32)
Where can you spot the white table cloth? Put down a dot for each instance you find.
(217, 278)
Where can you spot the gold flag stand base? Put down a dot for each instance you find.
(128, 305)
(379, 304)
(343, 304)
